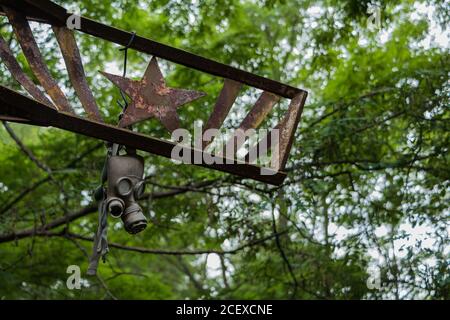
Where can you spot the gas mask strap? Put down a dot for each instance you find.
(100, 248)
(115, 149)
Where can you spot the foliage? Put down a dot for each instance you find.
(368, 174)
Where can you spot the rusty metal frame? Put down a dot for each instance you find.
(17, 72)
(35, 60)
(44, 11)
(72, 58)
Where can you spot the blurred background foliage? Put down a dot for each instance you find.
(366, 199)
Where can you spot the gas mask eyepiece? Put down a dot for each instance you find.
(125, 187)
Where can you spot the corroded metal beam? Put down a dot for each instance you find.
(17, 72)
(253, 119)
(259, 111)
(34, 57)
(225, 101)
(286, 133)
(74, 64)
(288, 126)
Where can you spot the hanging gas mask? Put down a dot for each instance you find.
(125, 187)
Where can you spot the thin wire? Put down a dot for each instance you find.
(125, 61)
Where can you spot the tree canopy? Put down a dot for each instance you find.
(367, 193)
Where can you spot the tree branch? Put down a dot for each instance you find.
(172, 252)
(88, 210)
(25, 150)
(68, 235)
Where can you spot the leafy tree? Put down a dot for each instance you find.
(367, 192)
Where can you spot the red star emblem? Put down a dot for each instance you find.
(151, 98)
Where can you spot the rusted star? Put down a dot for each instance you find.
(151, 98)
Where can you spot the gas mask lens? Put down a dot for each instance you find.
(139, 190)
(124, 186)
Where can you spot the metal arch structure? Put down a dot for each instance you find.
(53, 108)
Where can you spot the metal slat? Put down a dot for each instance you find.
(259, 111)
(254, 118)
(34, 57)
(74, 64)
(13, 119)
(225, 101)
(17, 72)
(286, 128)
